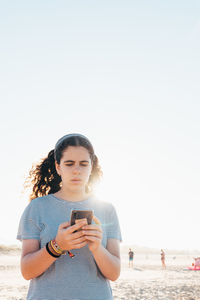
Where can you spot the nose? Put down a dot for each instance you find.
(76, 170)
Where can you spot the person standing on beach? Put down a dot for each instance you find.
(64, 261)
(131, 256)
(162, 256)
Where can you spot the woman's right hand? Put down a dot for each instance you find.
(67, 239)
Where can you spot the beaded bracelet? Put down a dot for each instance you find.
(59, 250)
(52, 249)
(51, 253)
(55, 249)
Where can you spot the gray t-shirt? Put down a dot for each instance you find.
(77, 278)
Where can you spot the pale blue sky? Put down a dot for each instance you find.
(126, 74)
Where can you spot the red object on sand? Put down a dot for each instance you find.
(195, 268)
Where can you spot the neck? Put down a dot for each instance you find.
(70, 195)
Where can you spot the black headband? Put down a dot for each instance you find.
(65, 137)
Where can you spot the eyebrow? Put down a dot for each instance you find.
(71, 161)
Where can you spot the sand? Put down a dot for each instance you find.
(145, 281)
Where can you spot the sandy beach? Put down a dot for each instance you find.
(145, 281)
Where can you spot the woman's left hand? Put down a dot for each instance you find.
(93, 234)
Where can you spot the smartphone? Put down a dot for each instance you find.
(81, 214)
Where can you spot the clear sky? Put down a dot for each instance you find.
(125, 74)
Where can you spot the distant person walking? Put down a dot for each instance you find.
(131, 256)
(162, 256)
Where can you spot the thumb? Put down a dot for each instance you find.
(96, 220)
(64, 225)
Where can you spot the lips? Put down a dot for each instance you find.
(76, 180)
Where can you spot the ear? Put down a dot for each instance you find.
(57, 166)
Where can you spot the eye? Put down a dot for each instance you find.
(84, 164)
(69, 165)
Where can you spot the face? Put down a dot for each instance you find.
(74, 168)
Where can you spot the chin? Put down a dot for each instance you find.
(77, 187)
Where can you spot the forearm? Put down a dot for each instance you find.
(36, 263)
(108, 263)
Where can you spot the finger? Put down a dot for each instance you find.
(92, 227)
(92, 238)
(80, 220)
(64, 225)
(80, 245)
(77, 234)
(96, 220)
(76, 226)
(92, 233)
(78, 241)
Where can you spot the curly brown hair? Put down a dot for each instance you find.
(43, 177)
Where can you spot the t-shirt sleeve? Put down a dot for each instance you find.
(29, 226)
(112, 224)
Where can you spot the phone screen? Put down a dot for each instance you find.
(81, 214)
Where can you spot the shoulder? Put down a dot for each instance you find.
(39, 201)
(104, 205)
(105, 209)
(36, 204)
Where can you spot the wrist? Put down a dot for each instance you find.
(61, 250)
(57, 247)
(51, 250)
(97, 250)
(59, 243)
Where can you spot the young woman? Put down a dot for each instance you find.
(66, 262)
